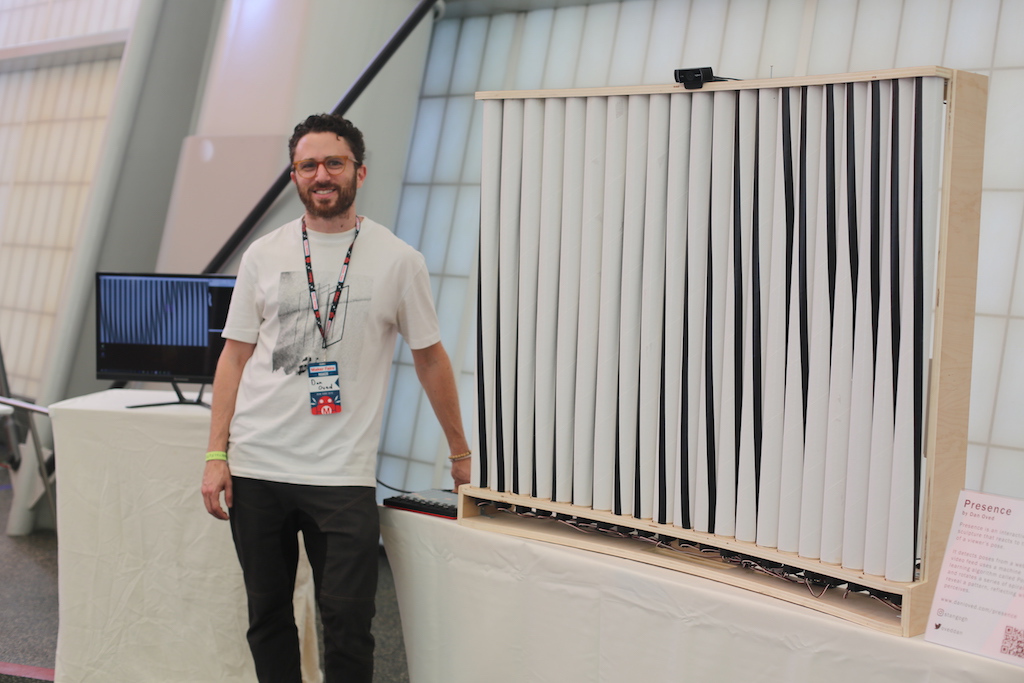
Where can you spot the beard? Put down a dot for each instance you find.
(343, 200)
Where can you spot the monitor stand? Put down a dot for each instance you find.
(181, 399)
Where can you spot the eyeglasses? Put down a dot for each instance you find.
(307, 168)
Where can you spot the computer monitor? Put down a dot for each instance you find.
(160, 328)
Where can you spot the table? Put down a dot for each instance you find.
(149, 586)
(485, 606)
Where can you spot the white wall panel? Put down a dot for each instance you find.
(634, 28)
(471, 163)
(874, 35)
(426, 136)
(462, 243)
(49, 158)
(1007, 427)
(975, 474)
(598, 34)
(498, 47)
(1009, 49)
(989, 336)
(451, 149)
(563, 53)
(781, 39)
(744, 34)
(922, 37)
(830, 47)
(972, 34)
(412, 212)
(437, 79)
(469, 56)
(437, 224)
(1004, 471)
(38, 20)
(704, 32)
(664, 52)
(428, 435)
(1001, 216)
(246, 76)
(536, 35)
(404, 399)
(1004, 138)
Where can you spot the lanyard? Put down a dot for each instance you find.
(326, 331)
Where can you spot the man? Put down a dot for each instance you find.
(298, 402)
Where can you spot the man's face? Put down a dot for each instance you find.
(325, 195)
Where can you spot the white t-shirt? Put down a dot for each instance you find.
(274, 436)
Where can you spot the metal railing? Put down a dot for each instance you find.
(31, 410)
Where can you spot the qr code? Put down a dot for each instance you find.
(1013, 642)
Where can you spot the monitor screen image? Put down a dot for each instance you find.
(160, 328)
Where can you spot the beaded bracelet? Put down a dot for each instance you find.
(460, 456)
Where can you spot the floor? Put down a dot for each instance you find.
(29, 617)
(28, 593)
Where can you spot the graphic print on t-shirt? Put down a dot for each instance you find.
(299, 341)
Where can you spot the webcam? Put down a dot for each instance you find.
(694, 79)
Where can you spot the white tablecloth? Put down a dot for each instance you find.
(149, 585)
(479, 606)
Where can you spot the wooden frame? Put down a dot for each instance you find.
(945, 440)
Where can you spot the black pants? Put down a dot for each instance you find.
(341, 531)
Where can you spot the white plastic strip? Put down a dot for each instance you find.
(933, 118)
(862, 383)
(606, 422)
(710, 419)
(552, 173)
(724, 441)
(632, 268)
(751, 432)
(508, 285)
(899, 555)
(880, 468)
(590, 301)
(569, 295)
(745, 482)
(490, 181)
(667, 490)
(774, 168)
(529, 255)
(697, 226)
(791, 469)
(651, 416)
(841, 369)
(820, 342)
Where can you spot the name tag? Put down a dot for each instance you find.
(324, 388)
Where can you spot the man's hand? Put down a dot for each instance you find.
(217, 478)
(460, 471)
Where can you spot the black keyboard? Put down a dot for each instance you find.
(431, 502)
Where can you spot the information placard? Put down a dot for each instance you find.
(979, 600)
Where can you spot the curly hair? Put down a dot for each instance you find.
(330, 123)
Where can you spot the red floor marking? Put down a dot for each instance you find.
(34, 672)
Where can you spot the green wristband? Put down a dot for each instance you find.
(216, 455)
